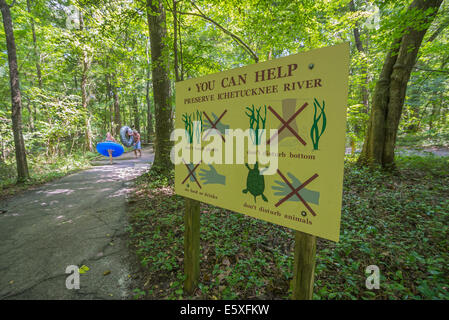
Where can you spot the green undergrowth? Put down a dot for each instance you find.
(397, 221)
(422, 139)
(42, 169)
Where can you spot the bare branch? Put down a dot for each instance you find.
(440, 28)
(232, 35)
(431, 70)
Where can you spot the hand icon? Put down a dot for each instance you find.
(220, 126)
(283, 189)
(211, 176)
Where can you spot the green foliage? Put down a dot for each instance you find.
(64, 119)
(6, 136)
(43, 169)
(112, 52)
(356, 122)
(431, 138)
(397, 221)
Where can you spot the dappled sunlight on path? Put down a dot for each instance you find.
(77, 220)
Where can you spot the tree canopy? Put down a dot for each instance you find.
(85, 66)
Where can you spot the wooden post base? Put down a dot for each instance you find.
(191, 245)
(304, 266)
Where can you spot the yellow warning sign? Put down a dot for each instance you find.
(267, 140)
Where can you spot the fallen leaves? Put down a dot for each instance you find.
(83, 269)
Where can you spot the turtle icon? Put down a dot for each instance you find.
(255, 182)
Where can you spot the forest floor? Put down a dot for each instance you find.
(398, 221)
(421, 151)
(76, 220)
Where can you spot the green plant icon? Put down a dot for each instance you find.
(190, 127)
(256, 122)
(319, 120)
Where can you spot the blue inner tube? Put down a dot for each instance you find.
(126, 139)
(116, 148)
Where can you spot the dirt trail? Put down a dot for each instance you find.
(77, 220)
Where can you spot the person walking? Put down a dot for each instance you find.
(137, 146)
(110, 138)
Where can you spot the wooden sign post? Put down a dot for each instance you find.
(266, 140)
(191, 244)
(304, 266)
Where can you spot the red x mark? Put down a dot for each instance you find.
(285, 124)
(214, 125)
(191, 173)
(295, 191)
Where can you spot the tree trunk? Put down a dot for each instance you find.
(364, 87)
(161, 85)
(111, 105)
(84, 101)
(358, 43)
(16, 99)
(432, 115)
(441, 115)
(38, 65)
(389, 94)
(117, 118)
(36, 50)
(31, 119)
(85, 68)
(136, 112)
(147, 97)
(149, 113)
(175, 41)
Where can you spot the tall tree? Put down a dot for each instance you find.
(135, 104)
(362, 53)
(85, 62)
(117, 118)
(147, 94)
(16, 99)
(161, 84)
(389, 94)
(35, 47)
(175, 41)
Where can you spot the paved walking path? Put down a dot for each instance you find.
(77, 220)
